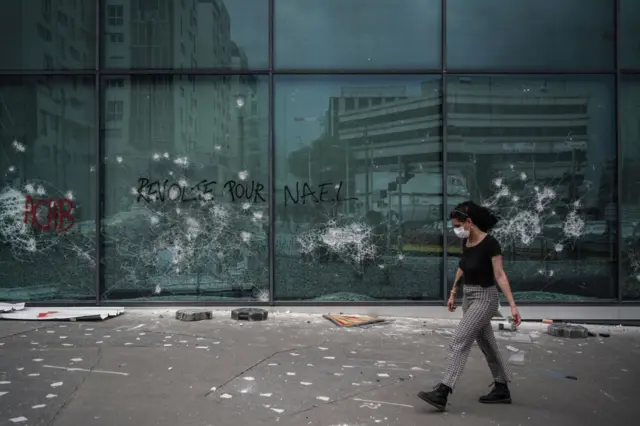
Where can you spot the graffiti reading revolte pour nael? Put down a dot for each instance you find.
(249, 191)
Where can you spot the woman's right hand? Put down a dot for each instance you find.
(451, 303)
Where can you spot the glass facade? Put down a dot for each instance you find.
(309, 151)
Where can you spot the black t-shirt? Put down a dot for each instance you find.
(476, 261)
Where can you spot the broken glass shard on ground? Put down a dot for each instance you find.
(517, 359)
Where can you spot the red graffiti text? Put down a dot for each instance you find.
(59, 214)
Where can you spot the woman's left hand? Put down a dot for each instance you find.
(515, 315)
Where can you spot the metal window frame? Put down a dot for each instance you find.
(444, 157)
(272, 161)
(618, 141)
(313, 71)
(99, 72)
(620, 78)
(99, 125)
(46, 73)
(184, 71)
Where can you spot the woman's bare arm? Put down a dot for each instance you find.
(502, 280)
(456, 280)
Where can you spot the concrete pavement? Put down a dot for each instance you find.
(146, 368)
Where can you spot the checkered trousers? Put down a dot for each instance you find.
(479, 305)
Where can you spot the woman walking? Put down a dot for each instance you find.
(481, 267)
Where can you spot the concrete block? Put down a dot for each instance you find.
(567, 330)
(194, 315)
(249, 314)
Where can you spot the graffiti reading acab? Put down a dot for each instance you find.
(59, 214)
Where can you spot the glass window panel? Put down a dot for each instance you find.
(540, 151)
(47, 189)
(524, 34)
(630, 202)
(359, 188)
(357, 34)
(186, 34)
(47, 35)
(629, 34)
(186, 188)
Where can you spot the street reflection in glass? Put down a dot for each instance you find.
(372, 146)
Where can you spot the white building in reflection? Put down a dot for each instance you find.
(540, 128)
(548, 131)
(214, 121)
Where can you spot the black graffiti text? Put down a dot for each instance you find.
(174, 191)
(252, 191)
(320, 194)
(244, 191)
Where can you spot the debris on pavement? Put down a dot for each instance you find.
(373, 324)
(298, 363)
(514, 337)
(512, 349)
(193, 315)
(249, 314)
(597, 334)
(555, 374)
(8, 307)
(568, 330)
(53, 313)
(352, 320)
(505, 326)
(517, 359)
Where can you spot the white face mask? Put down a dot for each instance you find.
(461, 232)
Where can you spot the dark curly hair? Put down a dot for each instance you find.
(481, 216)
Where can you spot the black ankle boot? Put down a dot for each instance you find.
(499, 395)
(437, 397)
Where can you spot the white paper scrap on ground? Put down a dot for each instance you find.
(62, 313)
(85, 370)
(370, 401)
